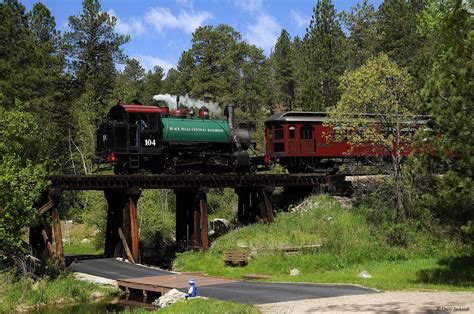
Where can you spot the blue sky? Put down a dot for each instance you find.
(161, 30)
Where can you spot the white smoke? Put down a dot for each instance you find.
(188, 102)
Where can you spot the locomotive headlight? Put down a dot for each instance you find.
(104, 138)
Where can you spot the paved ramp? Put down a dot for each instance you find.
(222, 289)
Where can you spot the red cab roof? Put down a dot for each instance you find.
(142, 108)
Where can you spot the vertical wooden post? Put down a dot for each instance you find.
(240, 207)
(268, 206)
(246, 205)
(58, 237)
(116, 200)
(261, 203)
(254, 206)
(204, 220)
(130, 222)
(49, 199)
(134, 195)
(196, 228)
(181, 217)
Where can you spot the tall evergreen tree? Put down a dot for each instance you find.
(219, 67)
(449, 99)
(50, 103)
(323, 60)
(93, 48)
(153, 83)
(16, 54)
(397, 27)
(284, 71)
(363, 37)
(130, 83)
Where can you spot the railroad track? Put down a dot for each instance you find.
(168, 181)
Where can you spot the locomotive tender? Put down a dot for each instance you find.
(135, 137)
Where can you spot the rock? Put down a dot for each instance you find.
(86, 240)
(169, 298)
(220, 226)
(364, 274)
(97, 295)
(294, 272)
(96, 232)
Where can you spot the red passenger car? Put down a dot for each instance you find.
(300, 142)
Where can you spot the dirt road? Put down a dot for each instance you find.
(389, 302)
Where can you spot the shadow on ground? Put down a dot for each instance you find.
(457, 271)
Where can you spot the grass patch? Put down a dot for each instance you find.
(27, 293)
(82, 249)
(205, 306)
(349, 245)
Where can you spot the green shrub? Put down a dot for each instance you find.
(348, 237)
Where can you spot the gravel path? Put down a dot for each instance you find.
(389, 302)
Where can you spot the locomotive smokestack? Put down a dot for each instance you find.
(229, 111)
(177, 102)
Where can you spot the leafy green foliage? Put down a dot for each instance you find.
(130, 83)
(26, 292)
(386, 91)
(284, 71)
(449, 101)
(322, 60)
(363, 37)
(93, 47)
(21, 180)
(396, 25)
(351, 242)
(153, 84)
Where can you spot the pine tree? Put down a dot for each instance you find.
(284, 71)
(153, 84)
(449, 99)
(363, 37)
(323, 59)
(93, 48)
(397, 28)
(16, 54)
(51, 89)
(130, 83)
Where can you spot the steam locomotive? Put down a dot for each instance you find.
(136, 137)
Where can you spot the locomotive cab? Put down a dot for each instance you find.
(127, 132)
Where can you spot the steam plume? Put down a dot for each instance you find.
(188, 102)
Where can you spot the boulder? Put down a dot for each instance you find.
(364, 274)
(294, 272)
(169, 298)
(84, 241)
(220, 226)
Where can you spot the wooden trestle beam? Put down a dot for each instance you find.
(122, 214)
(192, 218)
(38, 235)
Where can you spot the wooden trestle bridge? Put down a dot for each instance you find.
(123, 191)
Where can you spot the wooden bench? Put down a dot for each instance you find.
(235, 258)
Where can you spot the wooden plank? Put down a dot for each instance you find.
(196, 229)
(116, 200)
(47, 242)
(125, 246)
(268, 206)
(204, 222)
(134, 227)
(58, 238)
(43, 209)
